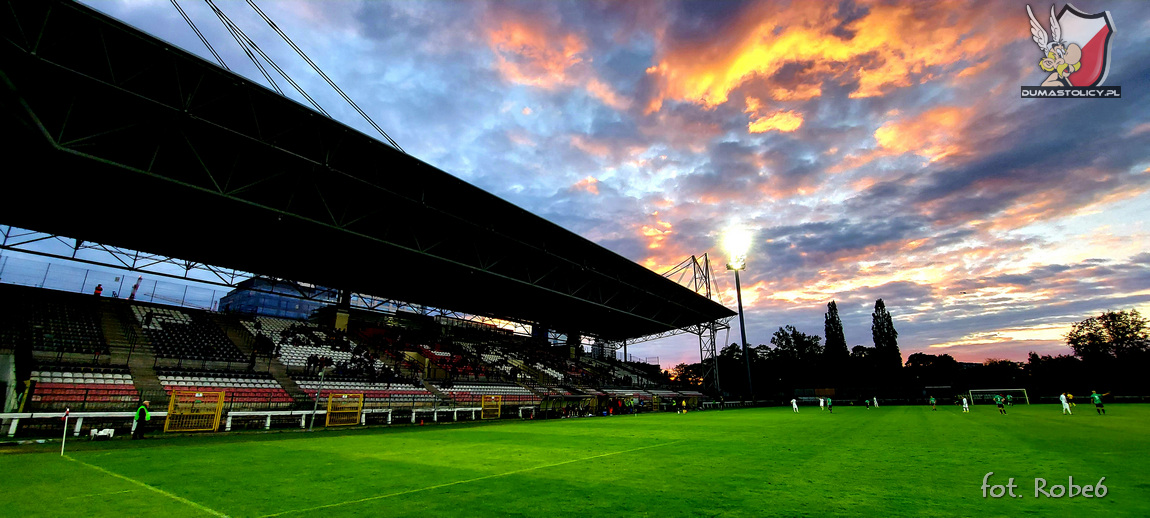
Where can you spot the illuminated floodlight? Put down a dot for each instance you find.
(736, 243)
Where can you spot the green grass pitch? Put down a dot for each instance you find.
(891, 461)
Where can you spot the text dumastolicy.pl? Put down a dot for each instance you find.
(1044, 489)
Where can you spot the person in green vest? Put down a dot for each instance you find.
(999, 400)
(867, 401)
(1097, 399)
(830, 405)
(142, 414)
(932, 403)
(1010, 400)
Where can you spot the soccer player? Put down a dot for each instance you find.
(1010, 400)
(1065, 405)
(876, 402)
(822, 404)
(999, 400)
(1097, 399)
(830, 406)
(867, 401)
(965, 405)
(795, 405)
(932, 407)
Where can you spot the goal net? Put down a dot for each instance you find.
(1010, 395)
(191, 411)
(492, 407)
(344, 409)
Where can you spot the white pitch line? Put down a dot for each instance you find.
(205, 509)
(437, 486)
(99, 494)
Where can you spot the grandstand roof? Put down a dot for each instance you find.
(127, 141)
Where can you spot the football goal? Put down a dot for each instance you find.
(987, 395)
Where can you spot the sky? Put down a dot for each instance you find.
(873, 149)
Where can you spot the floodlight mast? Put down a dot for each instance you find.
(736, 266)
(737, 242)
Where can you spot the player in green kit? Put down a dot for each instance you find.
(998, 400)
(1010, 400)
(1097, 399)
(830, 405)
(932, 402)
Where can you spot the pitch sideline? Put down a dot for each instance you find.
(180, 499)
(437, 486)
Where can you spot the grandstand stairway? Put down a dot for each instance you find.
(117, 322)
(435, 390)
(245, 341)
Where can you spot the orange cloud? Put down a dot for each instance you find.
(779, 121)
(887, 48)
(533, 54)
(798, 93)
(589, 184)
(664, 250)
(526, 55)
(785, 121)
(934, 134)
(605, 93)
(591, 147)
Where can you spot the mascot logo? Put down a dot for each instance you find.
(1075, 54)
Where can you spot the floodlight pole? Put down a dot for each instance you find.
(315, 406)
(743, 332)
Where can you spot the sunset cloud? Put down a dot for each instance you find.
(933, 135)
(785, 122)
(889, 47)
(527, 55)
(589, 184)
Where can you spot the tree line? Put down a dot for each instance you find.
(1108, 353)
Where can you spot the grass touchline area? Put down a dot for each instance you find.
(524, 470)
(891, 461)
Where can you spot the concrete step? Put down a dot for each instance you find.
(239, 334)
(129, 345)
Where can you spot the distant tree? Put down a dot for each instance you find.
(861, 352)
(930, 360)
(929, 369)
(885, 337)
(1114, 335)
(732, 351)
(835, 351)
(1053, 374)
(797, 345)
(687, 374)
